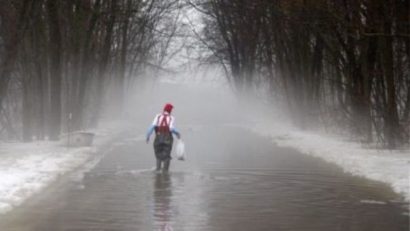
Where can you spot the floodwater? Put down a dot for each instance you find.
(232, 180)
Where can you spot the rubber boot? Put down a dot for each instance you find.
(158, 165)
(166, 165)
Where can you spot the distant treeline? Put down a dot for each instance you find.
(59, 60)
(342, 63)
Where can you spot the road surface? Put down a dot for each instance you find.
(232, 180)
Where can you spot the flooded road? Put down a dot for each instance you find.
(232, 180)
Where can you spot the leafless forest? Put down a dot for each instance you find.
(340, 64)
(61, 59)
(343, 64)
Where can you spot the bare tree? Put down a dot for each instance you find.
(341, 61)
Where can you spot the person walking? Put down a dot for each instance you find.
(163, 125)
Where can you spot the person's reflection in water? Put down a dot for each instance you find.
(162, 201)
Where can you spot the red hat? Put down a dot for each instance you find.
(168, 107)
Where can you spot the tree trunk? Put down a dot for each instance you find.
(55, 68)
(392, 129)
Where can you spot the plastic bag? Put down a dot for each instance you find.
(180, 150)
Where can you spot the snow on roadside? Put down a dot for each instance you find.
(391, 167)
(26, 168)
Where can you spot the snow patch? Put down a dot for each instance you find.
(27, 168)
(388, 166)
(373, 202)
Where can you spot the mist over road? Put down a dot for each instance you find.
(232, 179)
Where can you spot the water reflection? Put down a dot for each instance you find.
(162, 202)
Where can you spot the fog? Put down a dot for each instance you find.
(202, 98)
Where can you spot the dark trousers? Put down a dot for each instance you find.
(162, 147)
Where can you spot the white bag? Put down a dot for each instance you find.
(180, 150)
